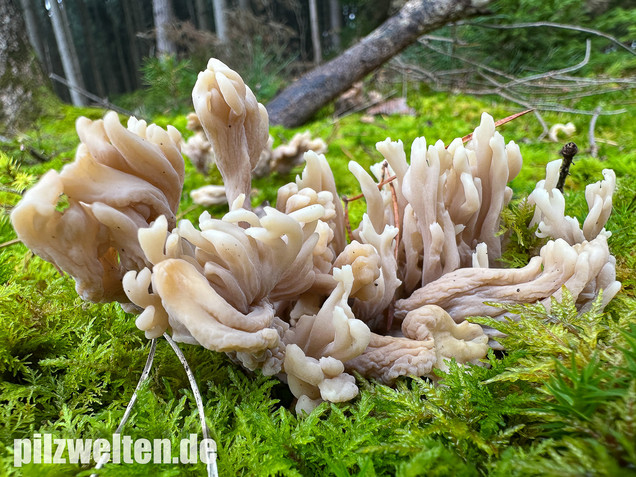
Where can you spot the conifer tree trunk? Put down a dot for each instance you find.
(139, 25)
(71, 42)
(314, 25)
(299, 102)
(32, 28)
(133, 43)
(20, 73)
(138, 17)
(335, 23)
(119, 50)
(202, 15)
(101, 23)
(68, 55)
(51, 59)
(96, 72)
(164, 17)
(220, 25)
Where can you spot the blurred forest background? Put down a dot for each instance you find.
(142, 56)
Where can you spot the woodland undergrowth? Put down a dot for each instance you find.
(561, 400)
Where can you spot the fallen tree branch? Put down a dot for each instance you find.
(544, 91)
(302, 99)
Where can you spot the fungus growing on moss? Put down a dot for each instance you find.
(235, 123)
(283, 291)
(121, 181)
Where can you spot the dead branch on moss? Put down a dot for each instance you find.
(546, 91)
(563, 26)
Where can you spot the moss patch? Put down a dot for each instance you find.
(69, 368)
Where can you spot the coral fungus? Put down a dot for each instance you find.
(282, 290)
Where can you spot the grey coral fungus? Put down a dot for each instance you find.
(122, 180)
(282, 290)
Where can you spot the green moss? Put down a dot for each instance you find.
(542, 408)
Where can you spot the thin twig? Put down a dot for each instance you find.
(568, 152)
(525, 104)
(548, 74)
(182, 214)
(144, 375)
(380, 185)
(363, 107)
(593, 146)
(404, 68)
(443, 39)
(351, 199)
(583, 112)
(346, 216)
(347, 153)
(396, 217)
(37, 155)
(469, 61)
(386, 181)
(394, 201)
(544, 125)
(552, 25)
(211, 457)
(587, 93)
(537, 87)
(595, 81)
(501, 122)
(10, 242)
(577, 86)
(100, 101)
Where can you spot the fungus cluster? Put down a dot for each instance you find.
(282, 290)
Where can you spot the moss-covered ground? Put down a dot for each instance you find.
(560, 401)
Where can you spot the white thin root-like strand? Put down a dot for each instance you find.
(144, 375)
(211, 457)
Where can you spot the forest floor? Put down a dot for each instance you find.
(560, 401)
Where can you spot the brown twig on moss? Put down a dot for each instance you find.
(568, 152)
(183, 213)
(501, 122)
(10, 242)
(396, 209)
(380, 185)
(346, 201)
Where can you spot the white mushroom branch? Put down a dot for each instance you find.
(283, 291)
